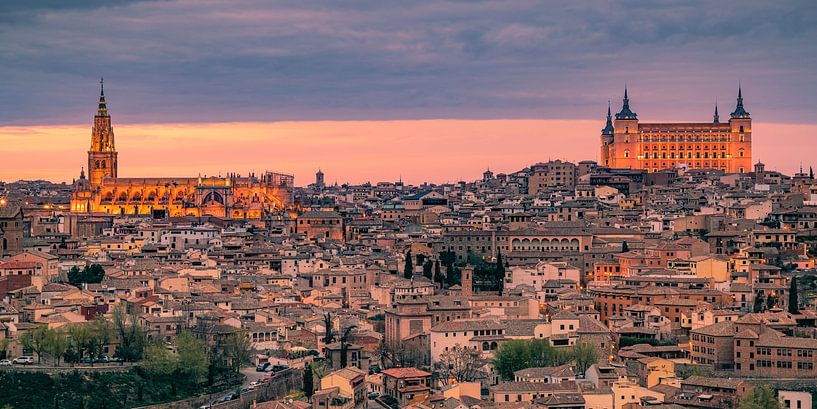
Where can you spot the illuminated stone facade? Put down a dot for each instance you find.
(726, 146)
(233, 196)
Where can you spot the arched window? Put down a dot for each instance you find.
(740, 153)
(626, 153)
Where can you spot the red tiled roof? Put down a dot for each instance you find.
(18, 264)
(405, 373)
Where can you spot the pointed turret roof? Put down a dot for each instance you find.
(103, 106)
(716, 118)
(625, 112)
(608, 128)
(739, 111)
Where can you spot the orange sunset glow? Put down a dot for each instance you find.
(347, 151)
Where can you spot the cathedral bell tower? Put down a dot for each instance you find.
(102, 162)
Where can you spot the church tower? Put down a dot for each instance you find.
(607, 139)
(102, 162)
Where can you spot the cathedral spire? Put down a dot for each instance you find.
(102, 111)
(625, 112)
(740, 112)
(608, 128)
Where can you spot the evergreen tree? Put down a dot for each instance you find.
(344, 346)
(758, 306)
(452, 275)
(624, 247)
(90, 274)
(810, 172)
(438, 275)
(428, 266)
(408, 271)
(329, 336)
(500, 272)
(794, 308)
(309, 382)
(770, 301)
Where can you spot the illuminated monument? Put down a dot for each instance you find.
(232, 196)
(726, 146)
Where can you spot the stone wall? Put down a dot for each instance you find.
(281, 384)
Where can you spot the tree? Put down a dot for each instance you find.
(344, 346)
(35, 340)
(452, 275)
(427, 268)
(519, 354)
(459, 364)
(4, 346)
(131, 337)
(101, 332)
(238, 349)
(500, 272)
(758, 305)
(810, 172)
(760, 397)
(90, 274)
(159, 361)
(438, 275)
(624, 247)
(329, 336)
(771, 301)
(192, 356)
(94, 273)
(510, 357)
(80, 339)
(309, 382)
(56, 343)
(585, 354)
(75, 275)
(794, 307)
(408, 271)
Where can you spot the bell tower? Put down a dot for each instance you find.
(102, 161)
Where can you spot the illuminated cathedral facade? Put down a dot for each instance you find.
(233, 196)
(726, 146)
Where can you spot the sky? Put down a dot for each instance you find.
(378, 89)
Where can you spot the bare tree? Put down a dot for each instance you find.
(459, 364)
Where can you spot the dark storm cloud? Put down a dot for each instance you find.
(225, 60)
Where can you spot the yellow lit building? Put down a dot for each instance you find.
(232, 196)
(726, 146)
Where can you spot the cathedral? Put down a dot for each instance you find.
(233, 196)
(725, 146)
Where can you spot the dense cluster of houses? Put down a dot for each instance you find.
(681, 281)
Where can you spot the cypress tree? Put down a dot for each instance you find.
(770, 301)
(794, 308)
(438, 275)
(309, 383)
(500, 272)
(427, 268)
(409, 268)
(758, 307)
(624, 247)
